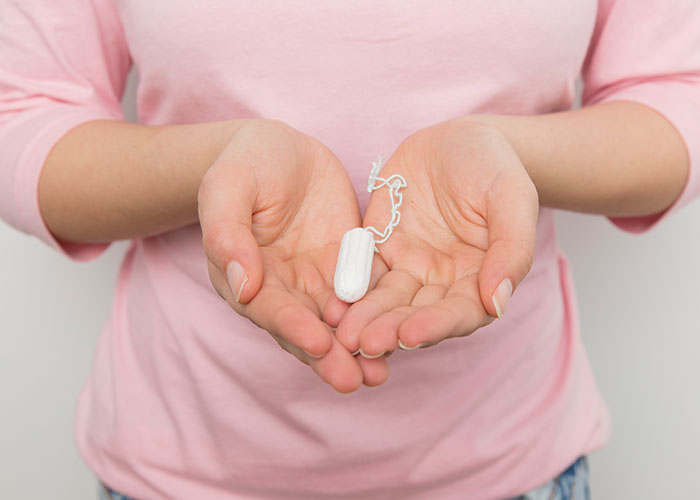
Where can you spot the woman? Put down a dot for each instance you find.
(251, 115)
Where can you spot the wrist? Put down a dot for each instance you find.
(203, 143)
(527, 138)
(213, 138)
(620, 159)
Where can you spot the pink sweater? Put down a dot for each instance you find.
(186, 399)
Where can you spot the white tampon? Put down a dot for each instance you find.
(354, 266)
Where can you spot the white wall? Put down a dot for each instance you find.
(639, 303)
(52, 311)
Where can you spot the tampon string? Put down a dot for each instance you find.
(395, 183)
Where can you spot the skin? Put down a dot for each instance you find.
(468, 220)
(107, 180)
(286, 205)
(262, 193)
(467, 223)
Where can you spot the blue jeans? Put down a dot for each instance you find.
(572, 484)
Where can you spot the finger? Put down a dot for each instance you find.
(338, 367)
(334, 310)
(379, 269)
(289, 315)
(429, 294)
(281, 313)
(458, 314)
(512, 209)
(396, 288)
(374, 371)
(382, 334)
(226, 204)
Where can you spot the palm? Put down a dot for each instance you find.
(299, 237)
(430, 289)
(277, 202)
(438, 255)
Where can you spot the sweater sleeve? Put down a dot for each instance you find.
(61, 64)
(649, 52)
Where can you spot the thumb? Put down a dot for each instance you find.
(512, 208)
(226, 203)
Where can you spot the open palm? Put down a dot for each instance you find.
(465, 239)
(273, 208)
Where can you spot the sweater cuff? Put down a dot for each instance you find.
(679, 103)
(46, 127)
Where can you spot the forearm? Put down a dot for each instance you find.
(616, 158)
(108, 180)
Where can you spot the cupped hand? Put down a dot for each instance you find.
(273, 208)
(464, 242)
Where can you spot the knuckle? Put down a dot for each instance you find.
(212, 237)
(313, 343)
(217, 243)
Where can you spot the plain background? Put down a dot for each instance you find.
(638, 303)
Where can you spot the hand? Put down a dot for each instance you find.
(464, 242)
(273, 208)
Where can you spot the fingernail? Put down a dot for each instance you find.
(406, 348)
(502, 296)
(356, 352)
(237, 278)
(368, 356)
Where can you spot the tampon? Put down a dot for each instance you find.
(354, 266)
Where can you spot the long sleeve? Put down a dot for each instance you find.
(649, 52)
(61, 64)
